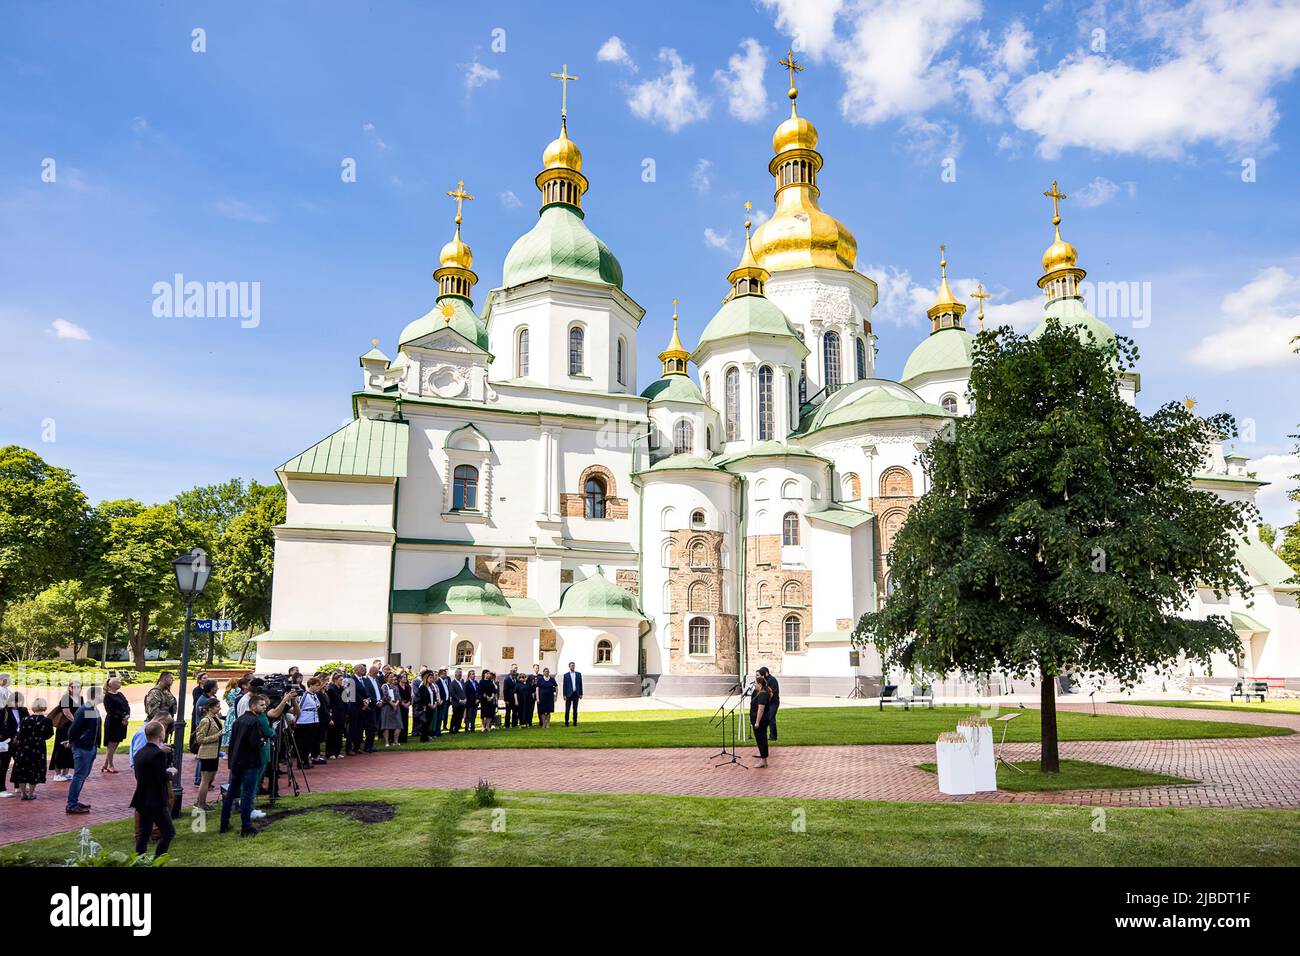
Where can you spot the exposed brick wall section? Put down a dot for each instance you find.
(765, 626)
(707, 576)
(509, 574)
(890, 514)
(628, 581)
(572, 505)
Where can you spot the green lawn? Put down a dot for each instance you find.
(834, 725)
(1267, 707)
(1075, 775)
(437, 827)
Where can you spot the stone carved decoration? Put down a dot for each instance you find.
(444, 381)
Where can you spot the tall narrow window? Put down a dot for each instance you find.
(860, 347)
(622, 363)
(521, 354)
(683, 437)
(575, 351)
(698, 630)
(708, 397)
(803, 381)
(790, 529)
(765, 403)
(593, 496)
(732, 382)
(464, 488)
(793, 636)
(831, 359)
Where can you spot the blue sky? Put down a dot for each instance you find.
(1173, 127)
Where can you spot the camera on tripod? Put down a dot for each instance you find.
(274, 686)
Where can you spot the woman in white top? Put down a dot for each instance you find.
(307, 731)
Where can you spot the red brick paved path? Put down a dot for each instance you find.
(1261, 772)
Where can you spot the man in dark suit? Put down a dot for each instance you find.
(456, 691)
(572, 693)
(444, 698)
(153, 791)
(471, 702)
(508, 696)
(360, 706)
(11, 717)
(422, 704)
(774, 692)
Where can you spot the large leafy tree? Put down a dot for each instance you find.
(68, 613)
(246, 557)
(140, 544)
(43, 525)
(1061, 531)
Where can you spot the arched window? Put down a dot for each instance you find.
(464, 488)
(831, 359)
(464, 653)
(731, 384)
(683, 437)
(860, 348)
(896, 482)
(764, 595)
(521, 353)
(697, 597)
(604, 651)
(576, 358)
(697, 518)
(790, 528)
(621, 363)
(668, 597)
(949, 403)
(803, 381)
(793, 635)
(666, 555)
(790, 489)
(699, 555)
(708, 438)
(708, 397)
(760, 490)
(593, 497)
(765, 403)
(792, 594)
(698, 634)
(852, 487)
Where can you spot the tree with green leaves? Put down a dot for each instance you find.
(136, 567)
(246, 558)
(1061, 532)
(43, 525)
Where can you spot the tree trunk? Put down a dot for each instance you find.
(139, 635)
(244, 649)
(1050, 760)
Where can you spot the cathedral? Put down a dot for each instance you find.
(505, 494)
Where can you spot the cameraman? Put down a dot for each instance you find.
(248, 757)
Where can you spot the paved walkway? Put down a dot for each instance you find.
(1259, 772)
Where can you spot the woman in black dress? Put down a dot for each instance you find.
(61, 759)
(117, 714)
(487, 700)
(758, 706)
(546, 688)
(404, 689)
(29, 750)
(338, 717)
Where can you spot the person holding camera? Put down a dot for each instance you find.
(313, 710)
(153, 792)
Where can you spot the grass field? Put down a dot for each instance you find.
(1076, 775)
(446, 827)
(1267, 707)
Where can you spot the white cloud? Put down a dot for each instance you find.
(1259, 323)
(811, 23)
(903, 301)
(929, 142)
(240, 211)
(139, 125)
(1097, 193)
(1272, 501)
(701, 177)
(476, 75)
(1210, 81)
(718, 240)
(671, 98)
(759, 216)
(613, 50)
(744, 81)
(64, 329)
(1017, 50)
(372, 134)
(1021, 314)
(509, 199)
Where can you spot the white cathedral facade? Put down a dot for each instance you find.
(507, 495)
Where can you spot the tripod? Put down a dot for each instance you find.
(1002, 744)
(723, 716)
(286, 751)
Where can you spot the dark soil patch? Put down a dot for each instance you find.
(366, 811)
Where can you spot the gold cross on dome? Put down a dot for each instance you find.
(790, 64)
(1055, 195)
(980, 295)
(564, 78)
(460, 196)
(674, 310)
(748, 206)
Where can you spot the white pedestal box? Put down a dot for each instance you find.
(952, 753)
(979, 735)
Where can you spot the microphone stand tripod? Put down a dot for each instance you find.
(725, 715)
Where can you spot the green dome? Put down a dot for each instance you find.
(674, 388)
(561, 246)
(598, 597)
(463, 319)
(871, 399)
(747, 315)
(466, 593)
(947, 350)
(1071, 312)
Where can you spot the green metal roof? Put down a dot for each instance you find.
(1072, 313)
(748, 315)
(944, 351)
(466, 593)
(870, 400)
(677, 462)
(561, 246)
(463, 319)
(768, 449)
(843, 515)
(363, 448)
(1244, 622)
(598, 596)
(828, 637)
(1265, 566)
(674, 388)
(374, 355)
(1238, 479)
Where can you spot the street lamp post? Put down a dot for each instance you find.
(192, 573)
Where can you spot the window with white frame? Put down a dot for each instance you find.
(577, 350)
(683, 437)
(949, 403)
(621, 362)
(731, 386)
(793, 628)
(464, 653)
(831, 359)
(765, 404)
(790, 529)
(464, 488)
(604, 651)
(698, 635)
(521, 352)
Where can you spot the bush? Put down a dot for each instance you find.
(326, 669)
(485, 795)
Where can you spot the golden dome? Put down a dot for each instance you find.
(456, 253)
(562, 153)
(1059, 255)
(794, 133)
